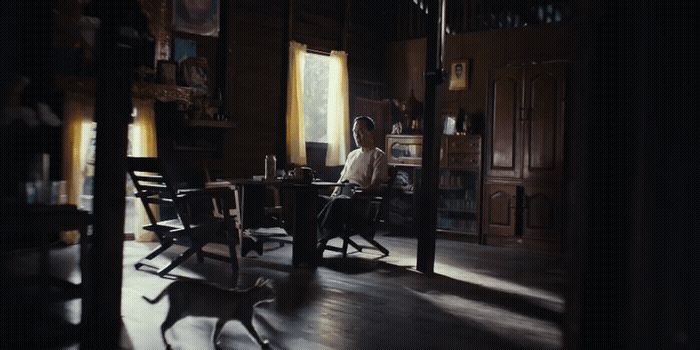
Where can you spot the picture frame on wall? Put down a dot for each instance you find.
(167, 72)
(199, 17)
(459, 74)
(195, 73)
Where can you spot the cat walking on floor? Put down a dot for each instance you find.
(189, 297)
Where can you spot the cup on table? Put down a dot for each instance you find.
(59, 193)
(30, 192)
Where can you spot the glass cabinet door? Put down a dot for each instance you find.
(458, 201)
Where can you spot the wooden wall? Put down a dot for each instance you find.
(257, 57)
(487, 50)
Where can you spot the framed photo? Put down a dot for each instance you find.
(195, 72)
(449, 121)
(459, 74)
(167, 72)
(196, 16)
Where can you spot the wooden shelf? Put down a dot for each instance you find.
(140, 89)
(210, 123)
(448, 210)
(456, 235)
(461, 232)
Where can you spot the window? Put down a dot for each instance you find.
(316, 97)
(317, 88)
(131, 217)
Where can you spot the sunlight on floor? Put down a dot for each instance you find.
(515, 327)
(539, 297)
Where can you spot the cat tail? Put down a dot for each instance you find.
(157, 298)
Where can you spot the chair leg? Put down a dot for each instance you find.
(345, 246)
(179, 260)
(355, 245)
(155, 252)
(233, 254)
(321, 248)
(200, 256)
(376, 244)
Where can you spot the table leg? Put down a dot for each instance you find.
(304, 226)
(253, 206)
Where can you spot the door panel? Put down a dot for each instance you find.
(541, 213)
(543, 120)
(499, 210)
(504, 124)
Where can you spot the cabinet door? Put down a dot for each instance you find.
(541, 213)
(543, 118)
(499, 210)
(503, 149)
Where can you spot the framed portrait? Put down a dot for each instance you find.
(196, 16)
(459, 74)
(195, 72)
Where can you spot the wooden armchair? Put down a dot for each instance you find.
(196, 224)
(363, 224)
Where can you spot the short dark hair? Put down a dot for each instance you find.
(369, 122)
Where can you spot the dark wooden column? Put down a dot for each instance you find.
(101, 313)
(427, 201)
(631, 178)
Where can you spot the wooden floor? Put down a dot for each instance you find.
(480, 298)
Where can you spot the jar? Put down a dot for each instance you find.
(270, 167)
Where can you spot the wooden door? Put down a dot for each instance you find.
(499, 210)
(541, 212)
(503, 151)
(543, 116)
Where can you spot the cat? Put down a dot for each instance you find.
(189, 297)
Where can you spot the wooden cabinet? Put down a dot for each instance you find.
(499, 210)
(504, 152)
(541, 214)
(542, 121)
(459, 187)
(524, 156)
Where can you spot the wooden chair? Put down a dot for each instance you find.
(195, 225)
(364, 226)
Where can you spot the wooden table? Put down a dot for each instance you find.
(303, 206)
(38, 222)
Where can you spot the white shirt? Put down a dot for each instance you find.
(365, 168)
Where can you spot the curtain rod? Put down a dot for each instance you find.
(318, 52)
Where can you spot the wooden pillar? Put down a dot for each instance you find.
(631, 226)
(427, 201)
(102, 279)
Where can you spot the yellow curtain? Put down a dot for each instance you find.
(143, 144)
(78, 112)
(338, 117)
(296, 140)
(77, 128)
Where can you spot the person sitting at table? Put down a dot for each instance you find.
(365, 168)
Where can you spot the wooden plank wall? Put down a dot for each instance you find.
(256, 62)
(258, 36)
(487, 50)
